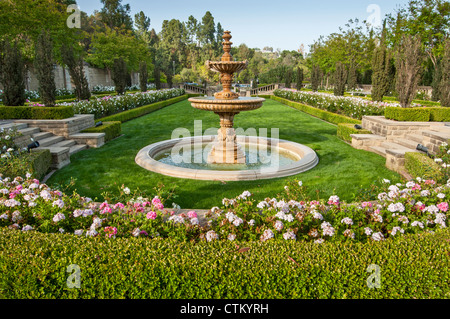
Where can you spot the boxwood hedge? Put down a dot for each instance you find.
(34, 265)
(111, 130)
(36, 112)
(418, 114)
(420, 165)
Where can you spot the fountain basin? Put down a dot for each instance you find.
(226, 106)
(303, 159)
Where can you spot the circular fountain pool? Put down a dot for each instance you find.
(265, 158)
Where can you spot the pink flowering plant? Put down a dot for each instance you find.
(417, 206)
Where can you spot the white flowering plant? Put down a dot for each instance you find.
(442, 158)
(109, 105)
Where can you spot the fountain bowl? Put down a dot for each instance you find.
(304, 159)
(226, 106)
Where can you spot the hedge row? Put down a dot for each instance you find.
(418, 114)
(111, 130)
(35, 112)
(35, 266)
(324, 115)
(344, 131)
(143, 110)
(420, 165)
(37, 162)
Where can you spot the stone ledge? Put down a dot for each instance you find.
(92, 140)
(60, 156)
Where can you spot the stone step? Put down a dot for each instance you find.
(60, 156)
(18, 126)
(440, 136)
(378, 150)
(415, 137)
(77, 148)
(50, 141)
(65, 143)
(42, 135)
(406, 143)
(440, 128)
(30, 131)
(394, 146)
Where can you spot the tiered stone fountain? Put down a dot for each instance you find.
(227, 105)
(227, 158)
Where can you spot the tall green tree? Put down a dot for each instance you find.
(142, 23)
(116, 15)
(340, 79)
(315, 77)
(44, 69)
(299, 78)
(75, 64)
(409, 59)
(143, 76)
(207, 29)
(119, 75)
(12, 70)
(445, 80)
(381, 65)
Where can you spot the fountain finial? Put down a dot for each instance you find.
(227, 47)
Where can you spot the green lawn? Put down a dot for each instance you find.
(342, 170)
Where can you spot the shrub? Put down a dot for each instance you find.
(345, 130)
(418, 114)
(340, 79)
(143, 110)
(420, 165)
(76, 70)
(324, 115)
(40, 163)
(316, 75)
(143, 76)
(109, 105)
(36, 113)
(35, 266)
(111, 130)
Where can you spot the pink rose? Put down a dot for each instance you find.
(119, 206)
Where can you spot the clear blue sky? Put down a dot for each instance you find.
(283, 24)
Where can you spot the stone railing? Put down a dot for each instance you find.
(194, 89)
(265, 89)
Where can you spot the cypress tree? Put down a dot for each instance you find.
(299, 78)
(445, 77)
(143, 76)
(288, 78)
(157, 75)
(382, 69)
(12, 74)
(119, 75)
(315, 78)
(436, 84)
(43, 65)
(76, 71)
(409, 68)
(340, 79)
(352, 77)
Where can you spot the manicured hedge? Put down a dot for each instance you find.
(111, 130)
(34, 266)
(346, 129)
(420, 165)
(324, 115)
(37, 162)
(36, 112)
(418, 114)
(143, 110)
(40, 162)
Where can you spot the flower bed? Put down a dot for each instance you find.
(418, 206)
(110, 105)
(350, 106)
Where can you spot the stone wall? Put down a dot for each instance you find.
(94, 76)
